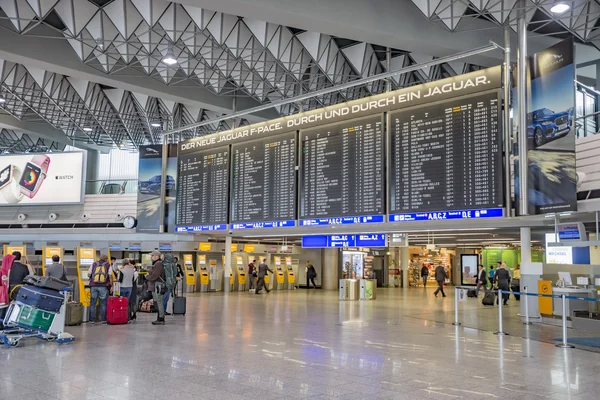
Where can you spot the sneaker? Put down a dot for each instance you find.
(92, 322)
(159, 322)
(167, 313)
(103, 322)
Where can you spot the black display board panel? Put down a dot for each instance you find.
(446, 156)
(343, 169)
(203, 189)
(264, 179)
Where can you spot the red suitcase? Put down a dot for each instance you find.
(117, 310)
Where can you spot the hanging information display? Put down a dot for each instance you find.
(322, 241)
(264, 183)
(203, 190)
(343, 173)
(446, 160)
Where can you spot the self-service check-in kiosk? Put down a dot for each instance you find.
(231, 279)
(291, 276)
(204, 273)
(241, 273)
(48, 253)
(85, 259)
(277, 269)
(214, 276)
(190, 273)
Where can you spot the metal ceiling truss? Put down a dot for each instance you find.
(13, 142)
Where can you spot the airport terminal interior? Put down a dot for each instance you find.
(353, 199)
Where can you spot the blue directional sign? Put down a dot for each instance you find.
(336, 241)
(444, 215)
(264, 225)
(201, 228)
(369, 219)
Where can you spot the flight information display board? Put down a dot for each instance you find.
(446, 160)
(264, 183)
(343, 173)
(203, 190)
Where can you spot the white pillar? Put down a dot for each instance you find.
(404, 262)
(227, 266)
(525, 245)
(330, 268)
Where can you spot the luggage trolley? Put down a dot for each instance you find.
(51, 326)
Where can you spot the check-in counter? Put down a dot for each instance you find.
(572, 304)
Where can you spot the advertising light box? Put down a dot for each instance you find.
(39, 179)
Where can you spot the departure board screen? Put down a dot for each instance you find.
(203, 190)
(264, 183)
(343, 173)
(446, 160)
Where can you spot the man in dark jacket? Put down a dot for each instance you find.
(424, 275)
(262, 272)
(156, 284)
(251, 275)
(502, 277)
(440, 277)
(311, 274)
(481, 279)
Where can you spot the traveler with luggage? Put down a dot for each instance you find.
(491, 275)
(172, 276)
(56, 269)
(251, 275)
(100, 275)
(481, 279)
(128, 277)
(515, 284)
(503, 279)
(311, 274)
(156, 285)
(263, 269)
(424, 274)
(133, 304)
(5, 286)
(440, 277)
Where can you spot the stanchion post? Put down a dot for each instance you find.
(456, 323)
(565, 344)
(526, 307)
(500, 325)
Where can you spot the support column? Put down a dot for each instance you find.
(522, 108)
(330, 269)
(525, 245)
(404, 262)
(227, 266)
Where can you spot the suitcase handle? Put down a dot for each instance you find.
(44, 316)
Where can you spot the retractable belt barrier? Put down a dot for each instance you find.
(526, 294)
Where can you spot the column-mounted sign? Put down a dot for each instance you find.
(571, 231)
(323, 241)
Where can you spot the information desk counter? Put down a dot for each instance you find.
(572, 304)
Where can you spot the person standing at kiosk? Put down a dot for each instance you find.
(251, 274)
(263, 269)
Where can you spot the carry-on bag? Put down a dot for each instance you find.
(488, 299)
(37, 297)
(471, 293)
(147, 306)
(74, 314)
(179, 302)
(117, 310)
(46, 282)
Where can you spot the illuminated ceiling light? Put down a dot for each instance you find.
(2, 100)
(170, 58)
(87, 129)
(560, 8)
(156, 124)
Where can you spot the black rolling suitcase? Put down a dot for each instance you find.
(489, 299)
(471, 293)
(179, 302)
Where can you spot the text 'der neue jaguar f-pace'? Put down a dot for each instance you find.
(545, 125)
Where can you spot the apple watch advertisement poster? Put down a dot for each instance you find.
(38, 179)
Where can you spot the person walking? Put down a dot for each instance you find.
(424, 274)
(156, 285)
(440, 277)
(481, 279)
(99, 274)
(515, 283)
(251, 275)
(503, 279)
(56, 269)
(311, 274)
(263, 269)
(491, 276)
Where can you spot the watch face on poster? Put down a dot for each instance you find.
(5, 176)
(30, 177)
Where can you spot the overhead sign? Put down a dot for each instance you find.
(38, 179)
(440, 216)
(336, 241)
(204, 246)
(571, 231)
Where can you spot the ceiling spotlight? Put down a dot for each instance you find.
(156, 124)
(170, 58)
(2, 100)
(560, 8)
(87, 129)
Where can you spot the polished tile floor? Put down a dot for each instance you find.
(302, 344)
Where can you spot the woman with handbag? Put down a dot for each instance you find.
(515, 284)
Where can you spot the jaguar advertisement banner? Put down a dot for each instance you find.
(40, 179)
(149, 187)
(552, 178)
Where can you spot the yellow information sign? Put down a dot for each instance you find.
(241, 272)
(545, 303)
(47, 254)
(188, 265)
(203, 269)
(234, 248)
(290, 271)
(248, 248)
(204, 246)
(10, 249)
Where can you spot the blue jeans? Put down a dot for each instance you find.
(166, 300)
(126, 292)
(98, 292)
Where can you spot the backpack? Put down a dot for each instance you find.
(99, 273)
(170, 271)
